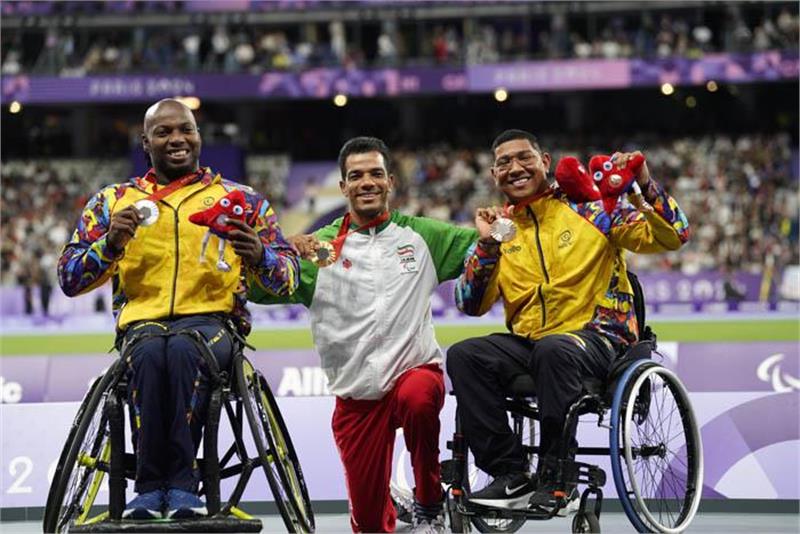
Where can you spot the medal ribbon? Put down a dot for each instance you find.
(171, 187)
(508, 209)
(338, 241)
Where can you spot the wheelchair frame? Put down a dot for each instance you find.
(246, 394)
(624, 395)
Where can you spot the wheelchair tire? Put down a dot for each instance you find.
(654, 433)
(284, 476)
(585, 522)
(76, 479)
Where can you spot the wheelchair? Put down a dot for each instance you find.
(654, 447)
(95, 448)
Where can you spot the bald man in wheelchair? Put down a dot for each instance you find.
(568, 305)
(138, 234)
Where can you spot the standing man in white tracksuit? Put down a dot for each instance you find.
(368, 292)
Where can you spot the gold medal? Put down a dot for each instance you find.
(503, 229)
(325, 255)
(148, 210)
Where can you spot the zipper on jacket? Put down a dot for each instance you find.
(177, 259)
(541, 259)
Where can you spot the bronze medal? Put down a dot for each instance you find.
(325, 255)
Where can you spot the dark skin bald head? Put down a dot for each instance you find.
(171, 139)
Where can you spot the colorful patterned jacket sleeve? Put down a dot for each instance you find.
(665, 228)
(87, 261)
(279, 272)
(476, 289)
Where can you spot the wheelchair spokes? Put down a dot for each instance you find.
(84, 460)
(275, 450)
(284, 451)
(100, 464)
(662, 452)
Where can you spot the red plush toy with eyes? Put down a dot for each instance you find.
(231, 206)
(573, 179)
(614, 181)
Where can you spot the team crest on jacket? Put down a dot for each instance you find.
(408, 258)
(565, 239)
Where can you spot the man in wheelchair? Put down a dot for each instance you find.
(138, 234)
(568, 305)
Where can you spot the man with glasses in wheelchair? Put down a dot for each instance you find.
(568, 305)
(138, 234)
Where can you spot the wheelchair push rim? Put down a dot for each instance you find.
(83, 462)
(662, 451)
(276, 450)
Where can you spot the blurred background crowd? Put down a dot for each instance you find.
(727, 151)
(225, 44)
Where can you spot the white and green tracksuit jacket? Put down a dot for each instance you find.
(371, 311)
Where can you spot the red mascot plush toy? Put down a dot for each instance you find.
(231, 206)
(614, 181)
(573, 179)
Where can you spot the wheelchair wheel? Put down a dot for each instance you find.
(84, 459)
(655, 433)
(585, 522)
(278, 457)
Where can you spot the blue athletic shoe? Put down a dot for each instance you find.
(182, 505)
(145, 506)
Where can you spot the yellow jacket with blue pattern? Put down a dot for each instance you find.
(565, 269)
(159, 274)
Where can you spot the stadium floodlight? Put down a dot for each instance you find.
(340, 100)
(191, 102)
(500, 94)
(14, 107)
(667, 89)
(712, 86)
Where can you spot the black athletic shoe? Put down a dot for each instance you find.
(506, 491)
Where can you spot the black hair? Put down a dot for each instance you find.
(362, 145)
(513, 135)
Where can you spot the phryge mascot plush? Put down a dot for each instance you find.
(614, 181)
(573, 179)
(231, 206)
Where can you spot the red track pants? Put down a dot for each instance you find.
(364, 431)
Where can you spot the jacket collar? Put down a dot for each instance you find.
(149, 184)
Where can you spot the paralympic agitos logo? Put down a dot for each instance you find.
(770, 371)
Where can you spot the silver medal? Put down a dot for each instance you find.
(148, 210)
(503, 229)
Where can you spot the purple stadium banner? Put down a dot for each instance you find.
(754, 366)
(551, 75)
(745, 397)
(666, 292)
(326, 82)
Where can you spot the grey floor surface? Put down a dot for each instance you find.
(610, 523)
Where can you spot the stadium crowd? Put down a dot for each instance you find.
(740, 195)
(234, 48)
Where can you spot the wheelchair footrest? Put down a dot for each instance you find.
(204, 524)
(591, 475)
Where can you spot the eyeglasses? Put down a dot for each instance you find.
(505, 163)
